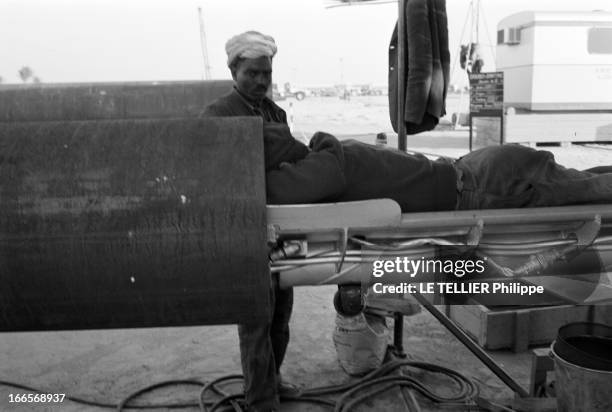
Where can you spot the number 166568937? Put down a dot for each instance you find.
(36, 397)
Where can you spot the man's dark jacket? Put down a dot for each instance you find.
(332, 171)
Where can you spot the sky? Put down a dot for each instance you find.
(159, 40)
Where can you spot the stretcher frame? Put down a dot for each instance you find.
(587, 226)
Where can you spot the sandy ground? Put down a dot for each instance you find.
(108, 365)
(362, 117)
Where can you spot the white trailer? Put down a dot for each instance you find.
(557, 76)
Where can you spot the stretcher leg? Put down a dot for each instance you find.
(398, 335)
(473, 347)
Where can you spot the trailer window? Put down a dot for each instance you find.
(600, 41)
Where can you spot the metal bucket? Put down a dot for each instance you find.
(580, 389)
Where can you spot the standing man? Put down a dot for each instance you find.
(262, 345)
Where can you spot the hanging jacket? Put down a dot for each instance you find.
(427, 66)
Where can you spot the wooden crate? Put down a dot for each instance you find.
(520, 328)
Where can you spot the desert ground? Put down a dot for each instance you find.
(106, 366)
(362, 117)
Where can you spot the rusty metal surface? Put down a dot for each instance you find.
(131, 223)
(90, 101)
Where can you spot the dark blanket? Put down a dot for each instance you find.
(333, 171)
(350, 170)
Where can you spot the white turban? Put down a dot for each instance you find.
(250, 45)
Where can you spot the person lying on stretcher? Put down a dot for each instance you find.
(507, 176)
(332, 171)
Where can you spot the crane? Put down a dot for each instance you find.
(203, 44)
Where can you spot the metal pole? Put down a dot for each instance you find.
(475, 349)
(501, 125)
(398, 334)
(401, 79)
(470, 114)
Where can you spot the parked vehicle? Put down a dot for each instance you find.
(290, 91)
(276, 94)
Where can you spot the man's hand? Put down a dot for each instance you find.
(322, 141)
(280, 146)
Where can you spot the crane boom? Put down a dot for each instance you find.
(204, 47)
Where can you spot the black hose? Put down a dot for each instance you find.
(213, 387)
(150, 388)
(376, 382)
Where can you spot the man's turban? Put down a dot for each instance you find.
(249, 45)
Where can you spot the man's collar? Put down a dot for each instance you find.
(254, 104)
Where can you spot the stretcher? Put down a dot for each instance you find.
(338, 243)
(566, 251)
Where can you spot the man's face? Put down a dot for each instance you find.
(253, 77)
